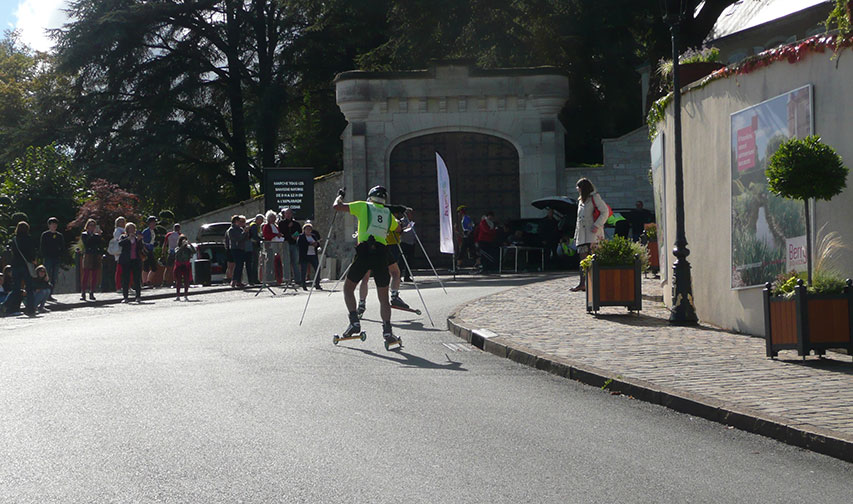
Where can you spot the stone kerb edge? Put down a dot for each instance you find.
(829, 443)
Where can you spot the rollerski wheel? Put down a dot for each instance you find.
(394, 345)
(337, 338)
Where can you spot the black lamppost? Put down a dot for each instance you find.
(683, 312)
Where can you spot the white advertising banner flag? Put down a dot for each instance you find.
(445, 212)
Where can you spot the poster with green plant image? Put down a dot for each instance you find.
(764, 226)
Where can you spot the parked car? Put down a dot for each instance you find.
(215, 253)
(213, 232)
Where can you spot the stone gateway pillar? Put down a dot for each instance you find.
(497, 130)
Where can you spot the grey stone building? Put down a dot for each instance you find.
(497, 131)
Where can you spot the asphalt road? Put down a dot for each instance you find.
(227, 399)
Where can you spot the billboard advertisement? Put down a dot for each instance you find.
(768, 232)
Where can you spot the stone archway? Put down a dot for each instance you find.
(484, 175)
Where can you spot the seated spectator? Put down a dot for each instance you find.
(5, 283)
(565, 254)
(517, 238)
(41, 288)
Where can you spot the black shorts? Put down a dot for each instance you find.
(393, 255)
(371, 256)
(150, 263)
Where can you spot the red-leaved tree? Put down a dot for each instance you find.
(107, 202)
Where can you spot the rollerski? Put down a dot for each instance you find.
(353, 331)
(361, 308)
(399, 304)
(391, 341)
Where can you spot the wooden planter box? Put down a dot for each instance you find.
(654, 256)
(614, 286)
(808, 322)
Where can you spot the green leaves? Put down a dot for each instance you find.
(42, 184)
(618, 251)
(806, 168)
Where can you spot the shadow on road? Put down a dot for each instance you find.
(412, 361)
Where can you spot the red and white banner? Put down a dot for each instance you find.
(445, 211)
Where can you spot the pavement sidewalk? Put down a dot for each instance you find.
(71, 301)
(702, 371)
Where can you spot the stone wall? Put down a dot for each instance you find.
(624, 177)
(339, 239)
(519, 105)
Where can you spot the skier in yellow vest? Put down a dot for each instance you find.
(371, 254)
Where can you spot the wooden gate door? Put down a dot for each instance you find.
(483, 173)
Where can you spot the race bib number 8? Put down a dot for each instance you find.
(379, 221)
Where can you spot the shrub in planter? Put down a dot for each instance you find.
(808, 318)
(613, 274)
(803, 169)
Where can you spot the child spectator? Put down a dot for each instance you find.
(169, 245)
(132, 254)
(149, 236)
(52, 246)
(183, 253)
(115, 250)
(92, 245)
(41, 289)
(308, 243)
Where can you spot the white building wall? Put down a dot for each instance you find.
(707, 175)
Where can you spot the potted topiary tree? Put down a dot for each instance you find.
(816, 315)
(613, 274)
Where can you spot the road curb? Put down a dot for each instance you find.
(164, 294)
(808, 437)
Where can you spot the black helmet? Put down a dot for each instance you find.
(378, 194)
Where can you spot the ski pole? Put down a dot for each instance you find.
(406, 261)
(341, 192)
(428, 260)
(344, 275)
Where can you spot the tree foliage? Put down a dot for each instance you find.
(107, 201)
(41, 184)
(806, 168)
(33, 96)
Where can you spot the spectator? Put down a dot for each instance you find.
(247, 248)
(52, 247)
(132, 254)
(149, 265)
(565, 253)
(237, 237)
(549, 234)
(590, 227)
(255, 241)
(638, 219)
(407, 243)
(290, 230)
(115, 250)
(92, 252)
(41, 288)
(170, 243)
(486, 241)
(183, 254)
(466, 235)
(272, 235)
(23, 261)
(229, 258)
(5, 283)
(308, 243)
